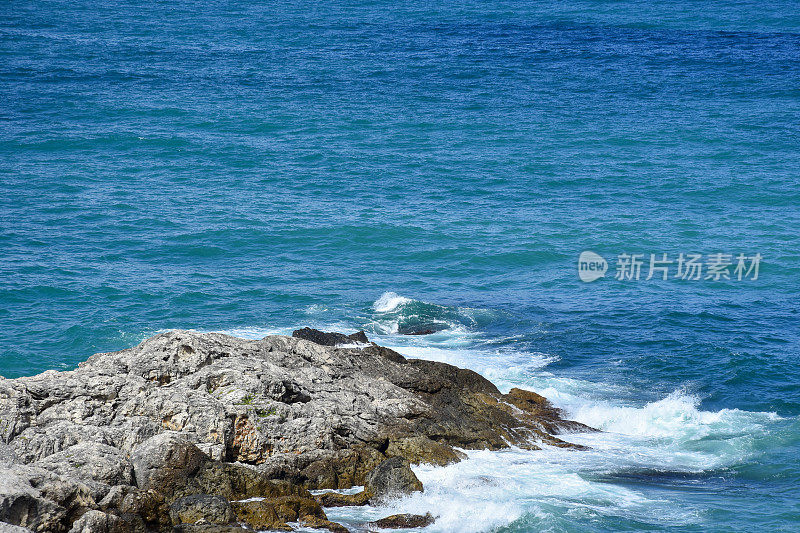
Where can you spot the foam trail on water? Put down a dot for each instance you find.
(389, 301)
(623, 478)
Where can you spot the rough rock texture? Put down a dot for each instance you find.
(404, 521)
(329, 338)
(208, 508)
(113, 444)
(393, 478)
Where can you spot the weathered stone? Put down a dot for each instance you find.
(149, 506)
(8, 528)
(322, 523)
(421, 449)
(404, 521)
(209, 528)
(166, 462)
(238, 482)
(271, 512)
(99, 466)
(206, 507)
(99, 522)
(39, 500)
(259, 515)
(329, 339)
(335, 499)
(172, 414)
(391, 479)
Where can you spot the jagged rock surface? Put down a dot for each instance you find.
(127, 433)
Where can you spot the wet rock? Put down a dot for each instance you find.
(201, 507)
(321, 523)
(184, 414)
(419, 332)
(329, 339)
(404, 521)
(391, 479)
(335, 499)
(209, 528)
(421, 449)
(274, 513)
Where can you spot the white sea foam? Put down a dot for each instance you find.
(389, 301)
(553, 488)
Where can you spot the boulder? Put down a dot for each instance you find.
(392, 478)
(201, 507)
(99, 522)
(165, 463)
(149, 507)
(329, 338)
(335, 499)
(209, 528)
(404, 521)
(421, 449)
(321, 523)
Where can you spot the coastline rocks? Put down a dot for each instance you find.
(115, 444)
(393, 478)
(404, 521)
(207, 508)
(329, 339)
(98, 522)
(165, 462)
(276, 512)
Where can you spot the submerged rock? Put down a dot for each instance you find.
(128, 434)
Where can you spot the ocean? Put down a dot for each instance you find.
(255, 168)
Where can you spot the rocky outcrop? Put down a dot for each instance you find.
(404, 521)
(330, 338)
(137, 440)
(393, 478)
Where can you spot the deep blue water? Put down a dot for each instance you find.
(255, 168)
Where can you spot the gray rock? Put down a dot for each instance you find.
(172, 413)
(99, 466)
(202, 507)
(209, 528)
(8, 528)
(391, 479)
(166, 462)
(98, 522)
(40, 500)
(404, 521)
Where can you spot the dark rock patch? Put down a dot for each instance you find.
(329, 338)
(391, 479)
(404, 521)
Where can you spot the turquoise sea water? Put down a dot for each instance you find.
(255, 168)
